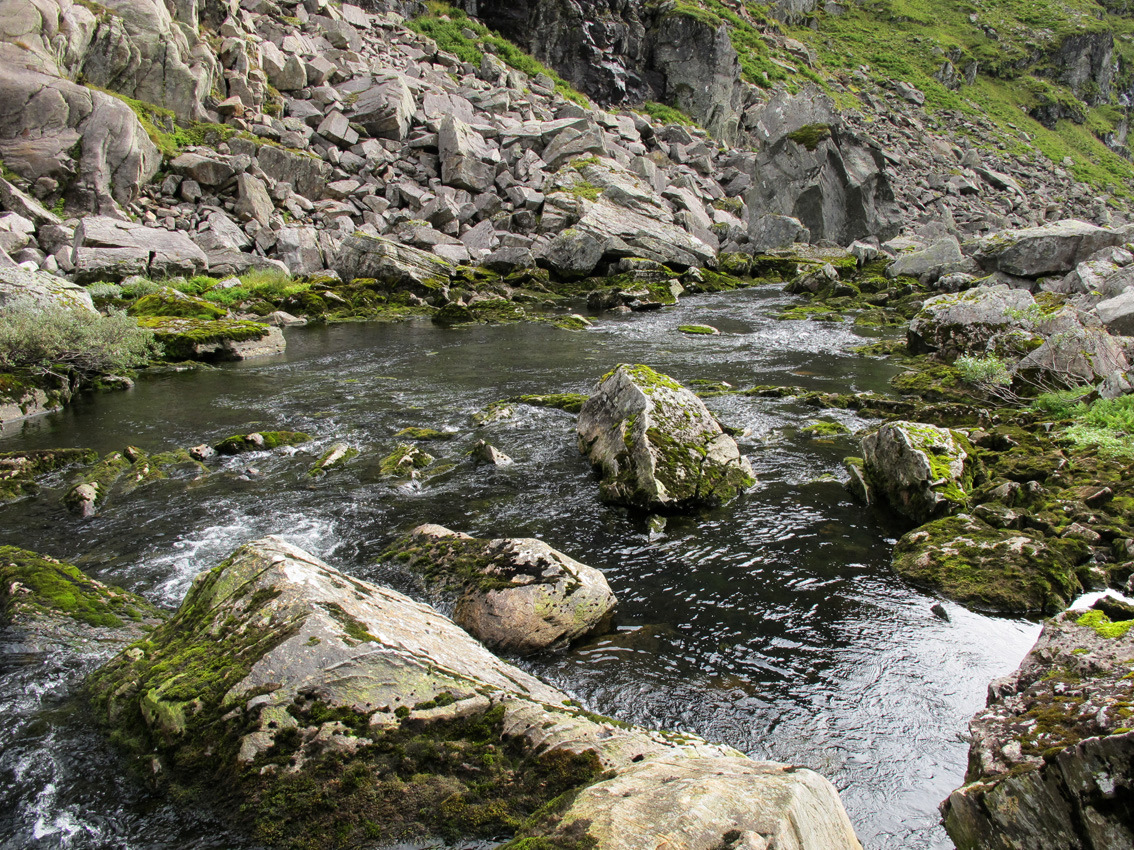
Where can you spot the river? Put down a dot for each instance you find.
(773, 624)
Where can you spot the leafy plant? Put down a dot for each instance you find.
(1106, 425)
(55, 340)
(984, 372)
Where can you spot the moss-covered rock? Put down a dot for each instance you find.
(1051, 764)
(51, 604)
(337, 455)
(424, 434)
(406, 462)
(220, 339)
(168, 302)
(919, 470)
(570, 402)
(123, 472)
(656, 445)
(514, 595)
(260, 441)
(19, 471)
(991, 569)
(315, 709)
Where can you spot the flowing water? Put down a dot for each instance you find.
(773, 624)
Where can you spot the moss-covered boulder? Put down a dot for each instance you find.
(171, 303)
(919, 470)
(315, 709)
(337, 455)
(50, 605)
(260, 441)
(991, 569)
(405, 462)
(123, 472)
(656, 445)
(513, 594)
(979, 321)
(19, 471)
(214, 340)
(1051, 763)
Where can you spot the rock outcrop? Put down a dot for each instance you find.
(294, 677)
(1051, 764)
(513, 594)
(656, 445)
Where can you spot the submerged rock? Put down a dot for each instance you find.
(656, 445)
(298, 682)
(918, 469)
(991, 569)
(19, 470)
(1051, 764)
(259, 441)
(514, 595)
(51, 606)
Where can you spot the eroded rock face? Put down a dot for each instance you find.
(1050, 765)
(293, 676)
(918, 469)
(515, 595)
(656, 445)
(991, 569)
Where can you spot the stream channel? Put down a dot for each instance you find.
(773, 624)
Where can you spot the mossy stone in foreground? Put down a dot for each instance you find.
(991, 569)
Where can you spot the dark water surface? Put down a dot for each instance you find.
(773, 624)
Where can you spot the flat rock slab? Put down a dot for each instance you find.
(1054, 248)
(109, 249)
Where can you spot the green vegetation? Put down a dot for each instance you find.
(811, 135)
(698, 330)
(983, 372)
(260, 441)
(571, 402)
(1106, 425)
(445, 26)
(35, 585)
(161, 126)
(1103, 625)
(663, 114)
(54, 340)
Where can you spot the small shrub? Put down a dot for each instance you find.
(105, 291)
(983, 371)
(51, 340)
(139, 288)
(1062, 404)
(1106, 425)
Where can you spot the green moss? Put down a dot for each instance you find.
(698, 330)
(1103, 626)
(645, 378)
(571, 402)
(32, 585)
(19, 470)
(811, 135)
(260, 441)
(454, 564)
(424, 434)
(404, 462)
(169, 303)
(822, 429)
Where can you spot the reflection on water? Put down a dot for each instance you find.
(773, 624)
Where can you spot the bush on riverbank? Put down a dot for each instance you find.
(57, 340)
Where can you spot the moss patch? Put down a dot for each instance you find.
(260, 441)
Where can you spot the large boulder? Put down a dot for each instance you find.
(513, 594)
(109, 249)
(1054, 248)
(84, 140)
(217, 339)
(1051, 763)
(465, 158)
(932, 262)
(392, 263)
(20, 285)
(991, 569)
(1071, 359)
(656, 445)
(1117, 314)
(812, 169)
(985, 320)
(300, 682)
(918, 469)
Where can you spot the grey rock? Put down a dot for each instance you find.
(205, 170)
(253, 201)
(109, 249)
(1117, 314)
(392, 263)
(305, 174)
(1072, 358)
(20, 285)
(514, 595)
(656, 445)
(1055, 248)
(772, 232)
(385, 110)
(918, 469)
(942, 258)
(982, 320)
(298, 248)
(464, 156)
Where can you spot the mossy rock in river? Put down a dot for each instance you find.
(920, 470)
(514, 595)
(220, 339)
(19, 471)
(656, 445)
(259, 441)
(992, 569)
(51, 604)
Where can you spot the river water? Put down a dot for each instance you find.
(773, 624)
